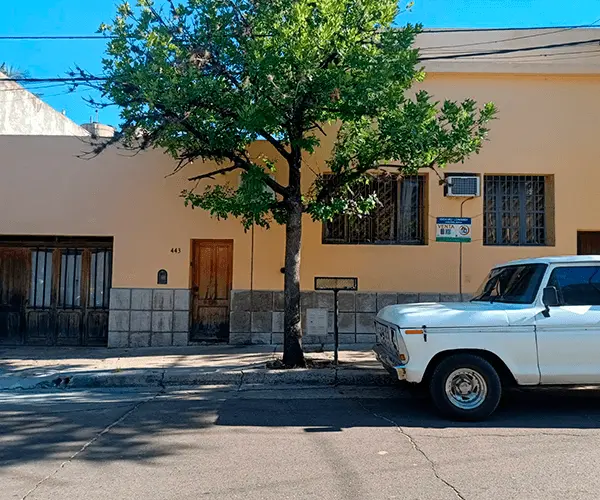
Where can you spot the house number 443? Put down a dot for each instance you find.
(175, 250)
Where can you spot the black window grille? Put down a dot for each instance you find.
(400, 219)
(40, 290)
(70, 279)
(515, 210)
(100, 279)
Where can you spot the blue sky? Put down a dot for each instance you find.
(82, 17)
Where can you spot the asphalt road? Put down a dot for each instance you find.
(290, 443)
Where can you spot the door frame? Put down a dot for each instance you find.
(193, 241)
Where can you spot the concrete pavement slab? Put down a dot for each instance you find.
(70, 368)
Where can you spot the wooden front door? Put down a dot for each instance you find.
(211, 279)
(588, 243)
(14, 265)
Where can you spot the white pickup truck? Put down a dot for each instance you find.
(532, 322)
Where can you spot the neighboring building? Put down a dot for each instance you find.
(99, 130)
(23, 113)
(75, 229)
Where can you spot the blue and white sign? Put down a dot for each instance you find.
(453, 229)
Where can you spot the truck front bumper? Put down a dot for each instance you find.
(390, 362)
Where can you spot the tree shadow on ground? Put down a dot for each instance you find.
(149, 427)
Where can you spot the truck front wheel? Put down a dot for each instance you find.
(465, 387)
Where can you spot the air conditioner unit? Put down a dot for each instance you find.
(463, 186)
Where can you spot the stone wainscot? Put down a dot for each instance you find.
(161, 317)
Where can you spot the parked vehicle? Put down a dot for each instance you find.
(532, 322)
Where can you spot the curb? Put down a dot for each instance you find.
(193, 377)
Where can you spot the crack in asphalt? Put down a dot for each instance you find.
(89, 443)
(84, 410)
(417, 448)
(532, 434)
(161, 383)
(239, 387)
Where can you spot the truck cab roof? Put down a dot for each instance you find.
(563, 259)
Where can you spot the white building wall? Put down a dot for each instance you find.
(22, 113)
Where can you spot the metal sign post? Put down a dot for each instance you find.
(458, 230)
(335, 285)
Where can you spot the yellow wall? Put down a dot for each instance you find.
(546, 125)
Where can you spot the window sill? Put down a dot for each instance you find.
(382, 244)
(525, 245)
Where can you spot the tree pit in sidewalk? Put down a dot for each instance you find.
(314, 364)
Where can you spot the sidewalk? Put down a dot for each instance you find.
(77, 368)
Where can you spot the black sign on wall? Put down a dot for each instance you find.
(163, 277)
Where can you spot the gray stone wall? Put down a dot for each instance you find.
(257, 317)
(146, 317)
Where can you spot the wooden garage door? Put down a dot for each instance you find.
(56, 294)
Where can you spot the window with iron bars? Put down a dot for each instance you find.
(41, 278)
(517, 210)
(399, 220)
(100, 278)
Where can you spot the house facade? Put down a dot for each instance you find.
(103, 252)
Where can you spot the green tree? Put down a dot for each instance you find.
(206, 78)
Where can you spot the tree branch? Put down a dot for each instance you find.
(317, 126)
(211, 175)
(275, 186)
(278, 145)
(240, 160)
(329, 59)
(244, 163)
(442, 179)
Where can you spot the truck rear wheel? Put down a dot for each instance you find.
(465, 387)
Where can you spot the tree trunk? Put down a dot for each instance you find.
(293, 355)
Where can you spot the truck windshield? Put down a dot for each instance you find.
(511, 284)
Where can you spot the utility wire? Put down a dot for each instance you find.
(558, 29)
(35, 86)
(553, 56)
(592, 58)
(549, 55)
(55, 37)
(74, 79)
(510, 51)
(463, 55)
(522, 28)
(592, 49)
(546, 33)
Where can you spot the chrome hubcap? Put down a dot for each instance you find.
(466, 389)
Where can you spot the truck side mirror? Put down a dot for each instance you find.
(550, 297)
